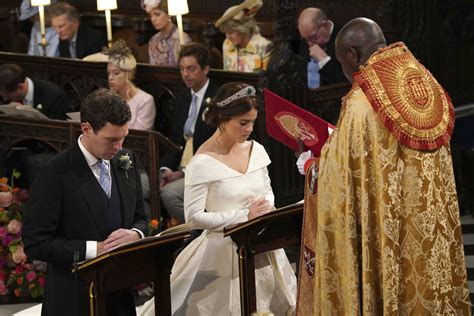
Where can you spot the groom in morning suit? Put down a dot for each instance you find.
(85, 201)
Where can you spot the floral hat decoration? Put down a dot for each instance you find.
(246, 9)
(149, 5)
(118, 54)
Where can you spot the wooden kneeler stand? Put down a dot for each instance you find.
(274, 230)
(149, 259)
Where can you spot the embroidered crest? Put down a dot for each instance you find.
(312, 177)
(296, 128)
(309, 258)
(407, 98)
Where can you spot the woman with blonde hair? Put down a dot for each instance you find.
(120, 73)
(244, 49)
(164, 46)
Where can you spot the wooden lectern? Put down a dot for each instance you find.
(149, 259)
(274, 230)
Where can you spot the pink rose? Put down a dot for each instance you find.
(3, 288)
(42, 281)
(14, 227)
(30, 276)
(19, 269)
(6, 199)
(19, 256)
(3, 231)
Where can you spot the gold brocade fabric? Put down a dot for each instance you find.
(388, 235)
(407, 98)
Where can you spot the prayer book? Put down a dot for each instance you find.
(74, 116)
(288, 124)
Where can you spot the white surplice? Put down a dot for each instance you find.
(205, 275)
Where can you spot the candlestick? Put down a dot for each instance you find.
(107, 5)
(178, 8)
(180, 29)
(108, 21)
(40, 4)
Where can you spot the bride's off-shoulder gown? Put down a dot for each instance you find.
(205, 276)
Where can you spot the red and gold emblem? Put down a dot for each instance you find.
(407, 98)
(297, 128)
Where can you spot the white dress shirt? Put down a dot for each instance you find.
(91, 245)
(199, 98)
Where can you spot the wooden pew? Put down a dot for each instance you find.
(79, 78)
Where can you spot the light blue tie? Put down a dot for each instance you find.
(188, 126)
(313, 74)
(104, 177)
(72, 49)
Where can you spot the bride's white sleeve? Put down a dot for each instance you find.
(194, 204)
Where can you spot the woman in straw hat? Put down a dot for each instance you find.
(120, 73)
(244, 48)
(164, 46)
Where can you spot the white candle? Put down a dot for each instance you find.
(180, 29)
(42, 28)
(108, 21)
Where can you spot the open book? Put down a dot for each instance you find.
(288, 124)
(282, 211)
(74, 116)
(176, 229)
(16, 109)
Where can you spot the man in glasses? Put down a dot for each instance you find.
(316, 29)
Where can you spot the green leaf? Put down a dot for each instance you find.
(16, 174)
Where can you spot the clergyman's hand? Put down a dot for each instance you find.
(120, 237)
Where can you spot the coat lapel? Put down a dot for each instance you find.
(89, 188)
(125, 179)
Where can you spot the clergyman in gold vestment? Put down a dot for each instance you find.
(386, 234)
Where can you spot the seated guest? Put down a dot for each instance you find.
(189, 129)
(27, 11)
(164, 46)
(244, 49)
(316, 29)
(76, 39)
(121, 71)
(45, 96)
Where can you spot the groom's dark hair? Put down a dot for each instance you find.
(104, 106)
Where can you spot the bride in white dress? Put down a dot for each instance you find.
(226, 183)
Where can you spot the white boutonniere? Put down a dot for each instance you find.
(39, 107)
(125, 163)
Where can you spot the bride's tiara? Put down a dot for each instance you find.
(245, 92)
